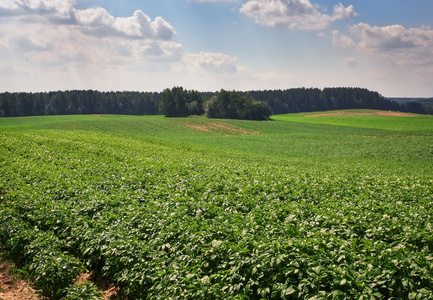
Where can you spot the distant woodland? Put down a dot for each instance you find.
(179, 102)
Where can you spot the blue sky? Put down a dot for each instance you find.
(149, 45)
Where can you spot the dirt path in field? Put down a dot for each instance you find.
(108, 290)
(14, 288)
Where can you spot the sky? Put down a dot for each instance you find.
(208, 45)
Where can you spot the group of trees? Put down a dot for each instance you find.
(78, 102)
(178, 102)
(313, 99)
(416, 105)
(235, 105)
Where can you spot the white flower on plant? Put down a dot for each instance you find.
(385, 217)
(216, 243)
(205, 280)
(399, 247)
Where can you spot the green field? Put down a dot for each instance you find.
(337, 206)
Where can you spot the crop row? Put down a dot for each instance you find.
(169, 222)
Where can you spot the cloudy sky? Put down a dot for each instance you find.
(149, 45)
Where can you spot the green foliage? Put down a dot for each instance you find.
(294, 211)
(234, 105)
(53, 272)
(83, 291)
(178, 102)
(41, 253)
(313, 99)
(78, 102)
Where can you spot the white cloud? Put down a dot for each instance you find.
(211, 62)
(342, 41)
(341, 12)
(92, 21)
(395, 43)
(41, 45)
(141, 26)
(207, 1)
(54, 10)
(350, 61)
(163, 51)
(97, 21)
(295, 14)
(213, 71)
(48, 45)
(94, 16)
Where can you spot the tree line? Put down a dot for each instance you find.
(313, 99)
(178, 102)
(78, 102)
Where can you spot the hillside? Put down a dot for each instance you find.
(328, 205)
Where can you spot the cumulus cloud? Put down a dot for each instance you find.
(97, 21)
(294, 14)
(342, 41)
(85, 37)
(204, 1)
(50, 44)
(92, 21)
(395, 43)
(55, 10)
(210, 62)
(141, 26)
(94, 16)
(29, 44)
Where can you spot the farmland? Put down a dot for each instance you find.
(331, 207)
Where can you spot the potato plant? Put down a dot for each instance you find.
(179, 220)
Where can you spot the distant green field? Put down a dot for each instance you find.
(364, 118)
(331, 205)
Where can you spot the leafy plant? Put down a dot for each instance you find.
(83, 291)
(164, 210)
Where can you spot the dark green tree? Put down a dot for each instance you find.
(234, 105)
(178, 102)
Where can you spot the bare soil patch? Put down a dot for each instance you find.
(14, 287)
(108, 290)
(216, 127)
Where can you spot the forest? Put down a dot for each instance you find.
(193, 102)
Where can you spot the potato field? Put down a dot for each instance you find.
(192, 208)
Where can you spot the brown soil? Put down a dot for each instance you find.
(216, 127)
(108, 290)
(13, 287)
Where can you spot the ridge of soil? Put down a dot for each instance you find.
(14, 287)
